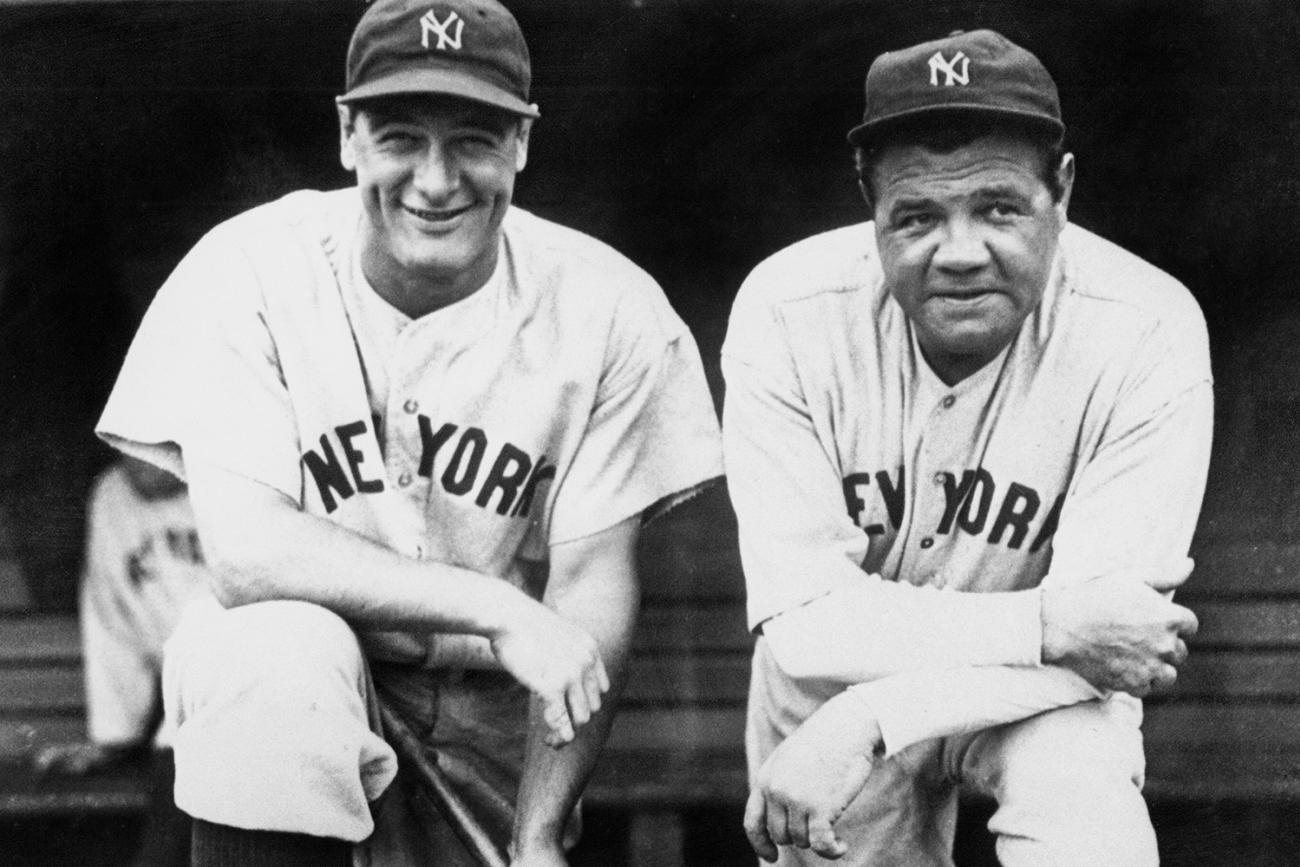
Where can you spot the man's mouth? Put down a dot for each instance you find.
(963, 296)
(439, 215)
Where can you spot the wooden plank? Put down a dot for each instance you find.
(655, 779)
(22, 735)
(687, 680)
(1246, 568)
(699, 731)
(1225, 623)
(697, 628)
(1244, 726)
(1244, 674)
(42, 688)
(25, 794)
(39, 637)
(1220, 775)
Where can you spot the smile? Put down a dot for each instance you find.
(439, 216)
(974, 297)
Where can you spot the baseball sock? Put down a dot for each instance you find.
(215, 845)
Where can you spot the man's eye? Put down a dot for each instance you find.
(1005, 210)
(914, 220)
(479, 141)
(395, 137)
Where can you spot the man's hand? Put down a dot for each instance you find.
(1118, 631)
(557, 661)
(808, 781)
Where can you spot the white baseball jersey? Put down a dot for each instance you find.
(143, 564)
(1082, 448)
(561, 398)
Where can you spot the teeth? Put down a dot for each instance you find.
(435, 215)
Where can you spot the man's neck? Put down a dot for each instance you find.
(418, 294)
(953, 368)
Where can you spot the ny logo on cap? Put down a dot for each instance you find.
(949, 69)
(430, 24)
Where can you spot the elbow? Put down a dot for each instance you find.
(238, 572)
(797, 656)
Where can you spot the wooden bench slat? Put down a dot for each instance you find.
(1244, 568)
(22, 734)
(687, 680)
(1248, 623)
(54, 687)
(1247, 674)
(49, 637)
(700, 731)
(1246, 726)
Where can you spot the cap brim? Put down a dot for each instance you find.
(862, 134)
(443, 82)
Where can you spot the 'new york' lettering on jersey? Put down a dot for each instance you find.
(506, 484)
(557, 400)
(968, 506)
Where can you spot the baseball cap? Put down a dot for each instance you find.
(975, 73)
(472, 49)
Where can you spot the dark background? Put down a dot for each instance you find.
(697, 137)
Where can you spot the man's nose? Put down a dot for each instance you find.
(962, 247)
(436, 175)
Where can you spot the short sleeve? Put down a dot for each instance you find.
(202, 376)
(652, 437)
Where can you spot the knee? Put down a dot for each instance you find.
(1069, 792)
(273, 650)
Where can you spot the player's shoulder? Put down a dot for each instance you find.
(314, 217)
(1117, 283)
(840, 266)
(582, 274)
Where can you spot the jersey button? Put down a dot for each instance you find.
(949, 401)
(411, 405)
(404, 480)
(940, 478)
(927, 542)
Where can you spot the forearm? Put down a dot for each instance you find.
(914, 707)
(601, 597)
(262, 547)
(875, 629)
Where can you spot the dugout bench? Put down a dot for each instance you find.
(1231, 730)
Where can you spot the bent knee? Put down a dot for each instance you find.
(264, 646)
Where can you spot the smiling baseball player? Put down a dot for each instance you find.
(421, 429)
(966, 444)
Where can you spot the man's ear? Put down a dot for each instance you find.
(1065, 178)
(866, 194)
(347, 126)
(521, 149)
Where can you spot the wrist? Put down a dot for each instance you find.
(867, 738)
(510, 609)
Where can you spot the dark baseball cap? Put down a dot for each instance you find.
(972, 73)
(472, 49)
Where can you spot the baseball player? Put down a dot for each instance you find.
(143, 565)
(421, 429)
(966, 444)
